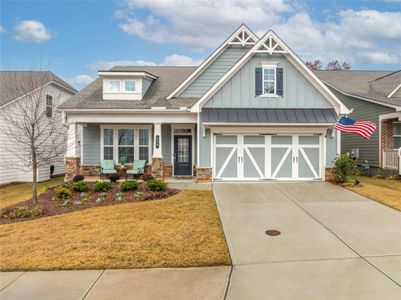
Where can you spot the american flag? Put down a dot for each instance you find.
(362, 128)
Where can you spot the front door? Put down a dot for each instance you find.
(182, 155)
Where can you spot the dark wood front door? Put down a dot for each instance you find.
(182, 155)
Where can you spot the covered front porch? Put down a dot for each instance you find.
(169, 148)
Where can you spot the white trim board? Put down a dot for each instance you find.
(395, 90)
(292, 58)
(207, 62)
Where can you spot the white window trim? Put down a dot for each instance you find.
(266, 67)
(182, 126)
(122, 86)
(115, 140)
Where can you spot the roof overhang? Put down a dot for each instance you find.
(142, 74)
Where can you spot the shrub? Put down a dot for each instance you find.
(147, 177)
(67, 202)
(68, 185)
(156, 185)
(345, 167)
(22, 212)
(83, 198)
(78, 178)
(63, 193)
(102, 186)
(128, 185)
(80, 186)
(119, 197)
(101, 198)
(114, 177)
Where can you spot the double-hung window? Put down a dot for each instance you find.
(108, 144)
(129, 85)
(114, 85)
(124, 144)
(49, 106)
(397, 134)
(269, 80)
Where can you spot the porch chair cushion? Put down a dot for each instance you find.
(138, 167)
(108, 166)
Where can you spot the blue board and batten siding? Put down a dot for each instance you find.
(214, 72)
(239, 91)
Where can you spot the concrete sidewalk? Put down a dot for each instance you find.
(334, 244)
(184, 283)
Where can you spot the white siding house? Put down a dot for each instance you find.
(10, 98)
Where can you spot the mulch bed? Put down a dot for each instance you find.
(47, 206)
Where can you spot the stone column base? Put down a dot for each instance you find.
(330, 174)
(204, 174)
(158, 168)
(72, 167)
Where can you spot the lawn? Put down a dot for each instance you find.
(386, 191)
(180, 231)
(15, 193)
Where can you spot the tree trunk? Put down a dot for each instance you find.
(35, 178)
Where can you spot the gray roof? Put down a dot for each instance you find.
(374, 85)
(168, 78)
(270, 115)
(14, 84)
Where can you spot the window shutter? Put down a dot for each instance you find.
(258, 81)
(280, 81)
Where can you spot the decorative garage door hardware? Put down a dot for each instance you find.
(272, 232)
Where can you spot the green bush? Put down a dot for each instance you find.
(128, 185)
(80, 186)
(63, 193)
(102, 186)
(68, 185)
(156, 185)
(345, 167)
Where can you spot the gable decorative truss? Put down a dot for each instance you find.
(270, 43)
(270, 46)
(242, 36)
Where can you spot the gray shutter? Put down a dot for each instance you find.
(258, 81)
(280, 81)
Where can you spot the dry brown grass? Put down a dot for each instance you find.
(18, 192)
(180, 231)
(386, 191)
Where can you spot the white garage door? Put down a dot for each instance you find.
(281, 157)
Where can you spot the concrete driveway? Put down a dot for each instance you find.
(334, 244)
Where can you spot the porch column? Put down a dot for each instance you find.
(157, 159)
(72, 157)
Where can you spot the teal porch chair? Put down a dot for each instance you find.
(137, 169)
(107, 167)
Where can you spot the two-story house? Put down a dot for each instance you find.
(251, 111)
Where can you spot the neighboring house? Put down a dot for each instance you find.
(373, 96)
(16, 87)
(252, 110)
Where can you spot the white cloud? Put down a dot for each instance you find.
(79, 81)
(380, 57)
(170, 60)
(2, 29)
(202, 24)
(31, 31)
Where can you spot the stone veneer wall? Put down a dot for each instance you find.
(168, 171)
(71, 167)
(204, 174)
(94, 170)
(158, 168)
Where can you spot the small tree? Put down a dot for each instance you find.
(345, 167)
(34, 127)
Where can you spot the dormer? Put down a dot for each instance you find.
(125, 85)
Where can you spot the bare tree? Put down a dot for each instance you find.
(34, 127)
(335, 65)
(314, 65)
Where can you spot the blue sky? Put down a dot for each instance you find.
(76, 38)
